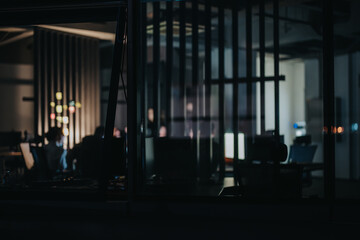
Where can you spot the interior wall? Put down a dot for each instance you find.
(16, 82)
(342, 150)
(292, 97)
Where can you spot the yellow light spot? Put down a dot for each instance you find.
(59, 119)
(58, 95)
(66, 132)
(59, 109)
(78, 104)
(52, 104)
(65, 107)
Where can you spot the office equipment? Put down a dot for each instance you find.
(265, 148)
(91, 153)
(175, 159)
(303, 154)
(118, 157)
(10, 139)
(229, 145)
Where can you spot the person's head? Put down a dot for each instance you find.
(162, 131)
(55, 134)
(99, 132)
(117, 133)
(151, 115)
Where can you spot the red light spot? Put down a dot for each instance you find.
(52, 116)
(71, 109)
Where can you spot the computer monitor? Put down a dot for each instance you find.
(229, 145)
(10, 139)
(175, 159)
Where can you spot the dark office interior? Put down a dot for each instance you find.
(179, 119)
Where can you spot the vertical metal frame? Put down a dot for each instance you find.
(143, 87)
(235, 48)
(276, 68)
(262, 64)
(328, 100)
(249, 68)
(169, 63)
(37, 75)
(182, 66)
(221, 94)
(195, 66)
(132, 114)
(156, 64)
(205, 156)
(113, 95)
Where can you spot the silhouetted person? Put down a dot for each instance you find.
(54, 152)
(91, 154)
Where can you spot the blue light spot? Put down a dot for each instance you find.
(296, 125)
(354, 127)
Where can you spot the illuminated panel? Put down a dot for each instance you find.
(229, 145)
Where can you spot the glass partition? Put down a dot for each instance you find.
(55, 82)
(217, 70)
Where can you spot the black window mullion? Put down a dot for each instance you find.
(235, 50)
(195, 64)
(249, 83)
(156, 61)
(49, 71)
(182, 62)
(221, 93)
(37, 75)
(262, 65)
(328, 100)
(276, 68)
(144, 81)
(169, 61)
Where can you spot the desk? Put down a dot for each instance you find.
(267, 179)
(6, 156)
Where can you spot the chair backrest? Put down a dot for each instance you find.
(27, 155)
(40, 163)
(90, 156)
(175, 159)
(265, 149)
(302, 153)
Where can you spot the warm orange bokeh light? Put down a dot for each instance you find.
(340, 130)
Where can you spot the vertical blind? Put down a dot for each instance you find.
(67, 84)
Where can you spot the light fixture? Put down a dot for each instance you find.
(59, 119)
(52, 116)
(52, 104)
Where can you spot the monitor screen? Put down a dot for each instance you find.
(229, 145)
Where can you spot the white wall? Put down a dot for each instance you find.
(292, 97)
